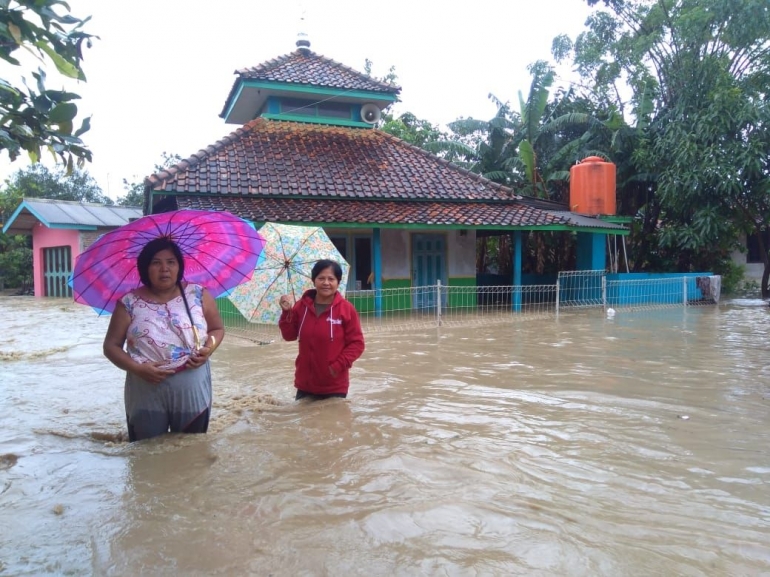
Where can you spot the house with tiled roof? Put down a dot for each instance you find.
(307, 152)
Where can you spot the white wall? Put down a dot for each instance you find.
(462, 253)
(397, 252)
(751, 271)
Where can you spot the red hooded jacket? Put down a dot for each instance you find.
(329, 342)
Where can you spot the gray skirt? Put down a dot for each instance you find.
(171, 405)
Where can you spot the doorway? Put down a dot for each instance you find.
(428, 267)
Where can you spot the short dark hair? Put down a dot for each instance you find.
(323, 265)
(148, 253)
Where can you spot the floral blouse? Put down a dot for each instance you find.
(163, 332)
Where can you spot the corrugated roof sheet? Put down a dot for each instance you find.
(585, 221)
(68, 214)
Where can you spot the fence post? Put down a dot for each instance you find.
(438, 302)
(604, 292)
(684, 290)
(558, 290)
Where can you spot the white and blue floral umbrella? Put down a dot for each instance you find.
(284, 268)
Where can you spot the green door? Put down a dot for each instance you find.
(428, 267)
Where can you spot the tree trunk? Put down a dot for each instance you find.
(763, 250)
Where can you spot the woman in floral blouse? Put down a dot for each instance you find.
(170, 329)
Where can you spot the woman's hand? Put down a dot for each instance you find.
(153, 372)
(285, 302)
(199, 357)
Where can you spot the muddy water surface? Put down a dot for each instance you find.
(637, 445)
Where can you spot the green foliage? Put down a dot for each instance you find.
(135, 190)
(33, 117)
(484, 147)
(15, 262)
(134, 194)
(39, 181)
(411, 129)
(697, 174)
(390, 78)
(732, 280)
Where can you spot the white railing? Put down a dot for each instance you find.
(416, 307)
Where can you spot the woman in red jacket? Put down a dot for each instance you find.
(329, 334)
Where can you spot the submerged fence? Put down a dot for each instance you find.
(447, 305)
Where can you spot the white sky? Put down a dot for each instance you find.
(159, 75)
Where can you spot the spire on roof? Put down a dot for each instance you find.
(303, 42)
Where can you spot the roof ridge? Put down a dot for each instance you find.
(269, 64)
(75, 202)
(384, 85)
(264, 65)
(476, 175)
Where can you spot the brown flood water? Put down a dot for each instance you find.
(636, 445)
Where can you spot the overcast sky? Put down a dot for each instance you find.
(158, 76)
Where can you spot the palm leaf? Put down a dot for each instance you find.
(527, 156)
(454, 147)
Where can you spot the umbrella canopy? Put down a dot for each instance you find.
(284, 268)
(220, 251)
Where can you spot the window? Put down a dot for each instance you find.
(298, 107)
(363, 263)
(341, 243)
(302, 107)
(334, 110)
(359, 256)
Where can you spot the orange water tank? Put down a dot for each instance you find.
(592, 186)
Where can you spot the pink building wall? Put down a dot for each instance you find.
(44, 237)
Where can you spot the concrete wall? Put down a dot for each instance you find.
(396, 257)
(397, 253)
(89, 237)
(751, 271)
(462, 253)
(44, 237)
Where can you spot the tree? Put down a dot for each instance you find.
(482, 146)
(39, 181)
(15, 262)
(699, 71)
(411, 129)
(390, 78)
(34, 117)
(135, 190)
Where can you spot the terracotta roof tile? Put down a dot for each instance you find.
(307, 67)
(274, 158)
(470, 214)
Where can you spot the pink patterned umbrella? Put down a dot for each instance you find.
(220, 251)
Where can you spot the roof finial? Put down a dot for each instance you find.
(303, 42)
